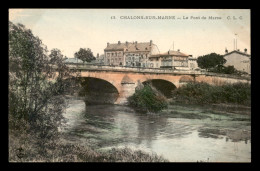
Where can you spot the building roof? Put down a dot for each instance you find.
(130, 47)
(174, 53)
(239, 52)
(192, 58)
(171, 53)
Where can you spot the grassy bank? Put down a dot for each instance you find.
(23, 149)
(203, 93)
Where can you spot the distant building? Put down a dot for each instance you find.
(170, 59)
(240, 60)
(192, 63)
(100, 59)
(129, 54)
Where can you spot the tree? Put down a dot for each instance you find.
(148, 99)
(211, 61)
(85, 55)
(229, 70)
(36, 85)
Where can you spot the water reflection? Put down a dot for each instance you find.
(179, 133)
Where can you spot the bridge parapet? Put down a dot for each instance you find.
(88, 67)
(130, 69)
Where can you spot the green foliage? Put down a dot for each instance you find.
(203, 93)
(224, 70)
(229, 70)
(85, 55)
(36, 85)
(211, 61)
(148, 99)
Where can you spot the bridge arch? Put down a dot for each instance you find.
(97, 91)
(164, 86)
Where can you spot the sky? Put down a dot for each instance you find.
(192, 31)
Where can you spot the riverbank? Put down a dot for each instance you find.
(217, 107)
(23, 149)
(234, 98)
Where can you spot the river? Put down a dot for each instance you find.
(181, 133)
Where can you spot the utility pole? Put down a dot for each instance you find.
(235, 42)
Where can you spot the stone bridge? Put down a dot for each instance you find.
(125, 80)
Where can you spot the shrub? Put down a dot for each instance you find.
(148, 99)
(203, 93)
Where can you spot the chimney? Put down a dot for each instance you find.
(97, 55)
(226, 51)
(119, 42)
(245, 50)
(136, 42)
(107, 44)
(238, 49)
(126, 43)
(151, 42)
(178, 50)
(168, 52)
(190, 55)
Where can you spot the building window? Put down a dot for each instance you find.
(108, 54)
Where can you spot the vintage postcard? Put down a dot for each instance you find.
(129, 85)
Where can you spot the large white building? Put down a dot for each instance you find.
(129, 53)
(170, 59)
(240, 60)
(192, 63)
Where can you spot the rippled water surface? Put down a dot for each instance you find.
(179, 134)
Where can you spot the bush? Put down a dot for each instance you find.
(203, 93)
(148, 99)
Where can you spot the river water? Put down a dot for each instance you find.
(181, 133)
